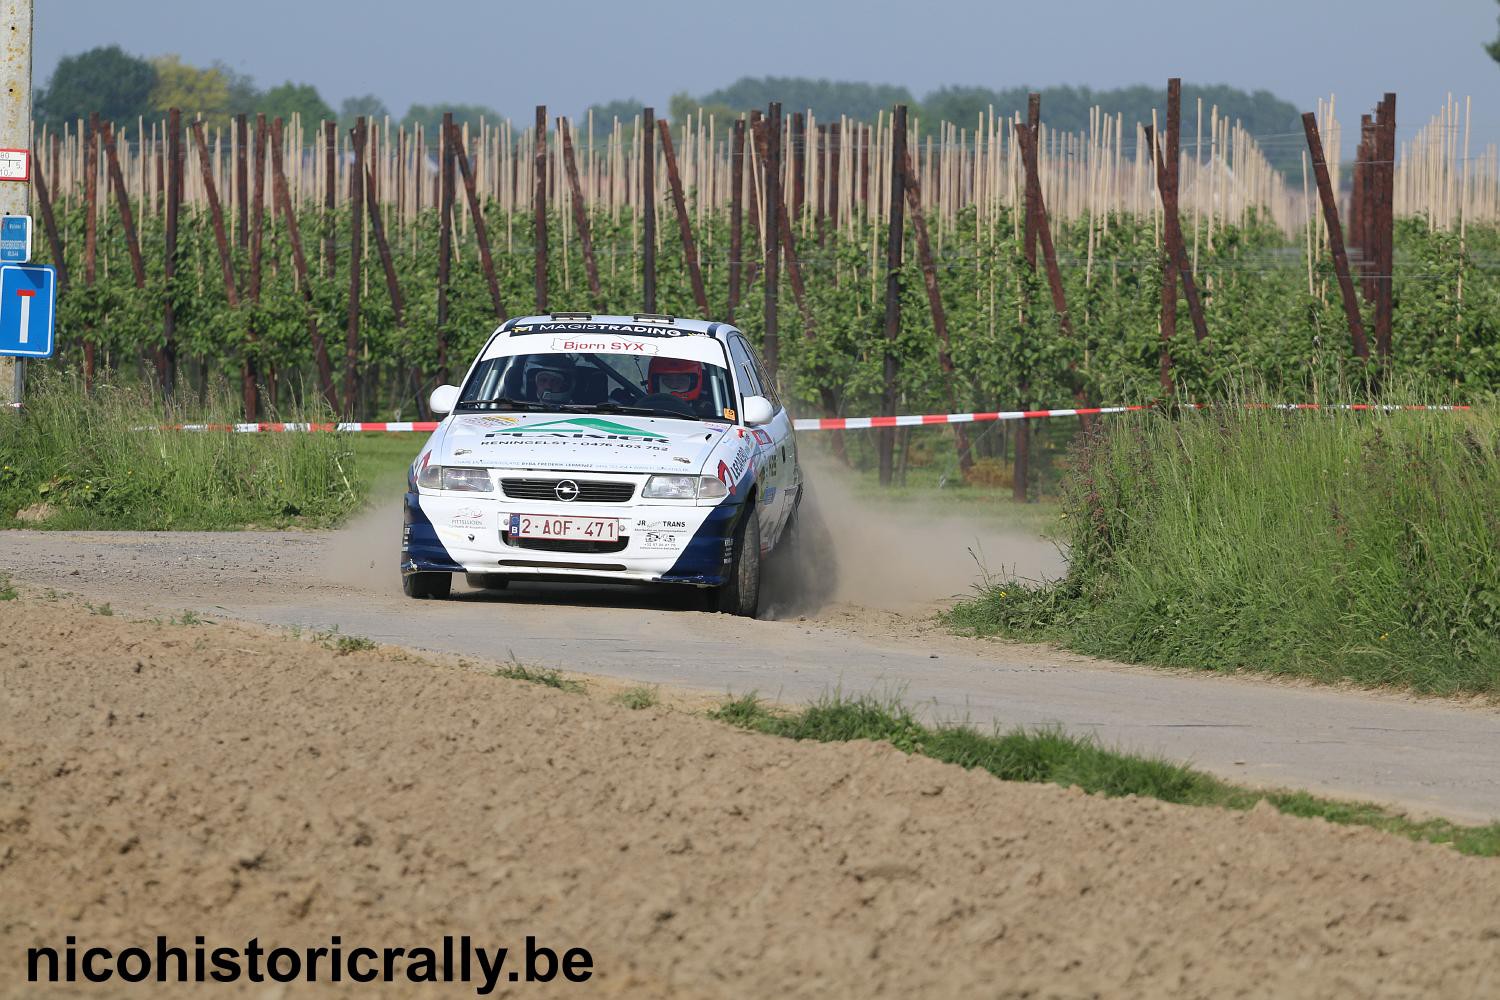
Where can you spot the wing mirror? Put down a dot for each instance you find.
(443, 399)
(758, 410)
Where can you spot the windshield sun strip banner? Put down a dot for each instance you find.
(694, 348)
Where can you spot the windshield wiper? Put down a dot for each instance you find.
(642, 411)
(504, 403)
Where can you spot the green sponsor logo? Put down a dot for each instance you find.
(582, 427)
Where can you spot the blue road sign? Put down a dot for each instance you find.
(15, 239)
(28, 306)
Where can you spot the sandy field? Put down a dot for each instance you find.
(224, 781)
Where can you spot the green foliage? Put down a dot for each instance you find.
(194, 90)
(1053, 757)
(290, 98)
(430, 116)
(1067, 110)
(638, 697)
(1334, 545)
(368, 105)
(81, 462)
(605, 115)
(826, 98)
(104, 79)
(1264, 324)
(684, 104)
(544, 676)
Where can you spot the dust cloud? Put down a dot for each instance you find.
(894, 556)
(847, 550)
(364, 552)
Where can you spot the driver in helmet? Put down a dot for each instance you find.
(548, 379)
(679, 377)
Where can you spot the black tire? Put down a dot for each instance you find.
(487, 581)
(427, 585)
(741, 595)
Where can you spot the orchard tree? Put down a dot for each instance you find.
(195, 91)
(366, 105)
(104, 79)
(296, 98)
(430, 116)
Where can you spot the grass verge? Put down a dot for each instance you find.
(544, 676)
(77, 462)
(638, 697)
(1337, 546)
(1056, 758)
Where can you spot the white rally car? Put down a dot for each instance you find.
(616, 448)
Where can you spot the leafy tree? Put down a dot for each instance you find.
(244, 96)
(296, 98)
(684, 104)
(605, 115)
(430, 116)
(196, 91)
(1067, 109)
(103, 79)
(367, 105)
(826, 98)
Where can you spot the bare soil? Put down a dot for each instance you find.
(223, 781)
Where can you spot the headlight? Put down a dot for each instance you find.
(683, 488)
(446, 477)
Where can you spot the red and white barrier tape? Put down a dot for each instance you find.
(425, 426)
(814, 423)
(918, 419)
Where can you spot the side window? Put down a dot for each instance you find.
(767, 387)
(749, 382)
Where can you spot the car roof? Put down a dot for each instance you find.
(704, 327)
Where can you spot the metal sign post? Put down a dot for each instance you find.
(15, 155)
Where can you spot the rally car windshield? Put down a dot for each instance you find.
(602, 382)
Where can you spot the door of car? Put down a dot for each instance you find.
(775, 456)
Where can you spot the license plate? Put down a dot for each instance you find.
(583, 529)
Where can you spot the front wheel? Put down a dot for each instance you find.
(427, 585)
(741, 594)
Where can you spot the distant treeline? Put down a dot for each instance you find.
(1261, 112)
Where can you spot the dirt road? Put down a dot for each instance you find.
(184, 780)
(1430, 756)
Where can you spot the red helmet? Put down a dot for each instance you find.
(683, 378)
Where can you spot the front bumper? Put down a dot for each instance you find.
(664, 542)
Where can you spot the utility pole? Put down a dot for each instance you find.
(15, 133)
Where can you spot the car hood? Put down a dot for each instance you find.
(577, 442)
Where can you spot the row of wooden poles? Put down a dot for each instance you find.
(757, 148)
(835, 170)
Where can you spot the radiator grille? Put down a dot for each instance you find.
(589, 491)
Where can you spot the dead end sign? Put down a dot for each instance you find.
(28, 306)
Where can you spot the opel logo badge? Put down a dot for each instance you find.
(566, 490)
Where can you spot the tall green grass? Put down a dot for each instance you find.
(1334, 545)
(74, 461)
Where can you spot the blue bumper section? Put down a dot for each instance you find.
(707, 557)
(421, 550)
